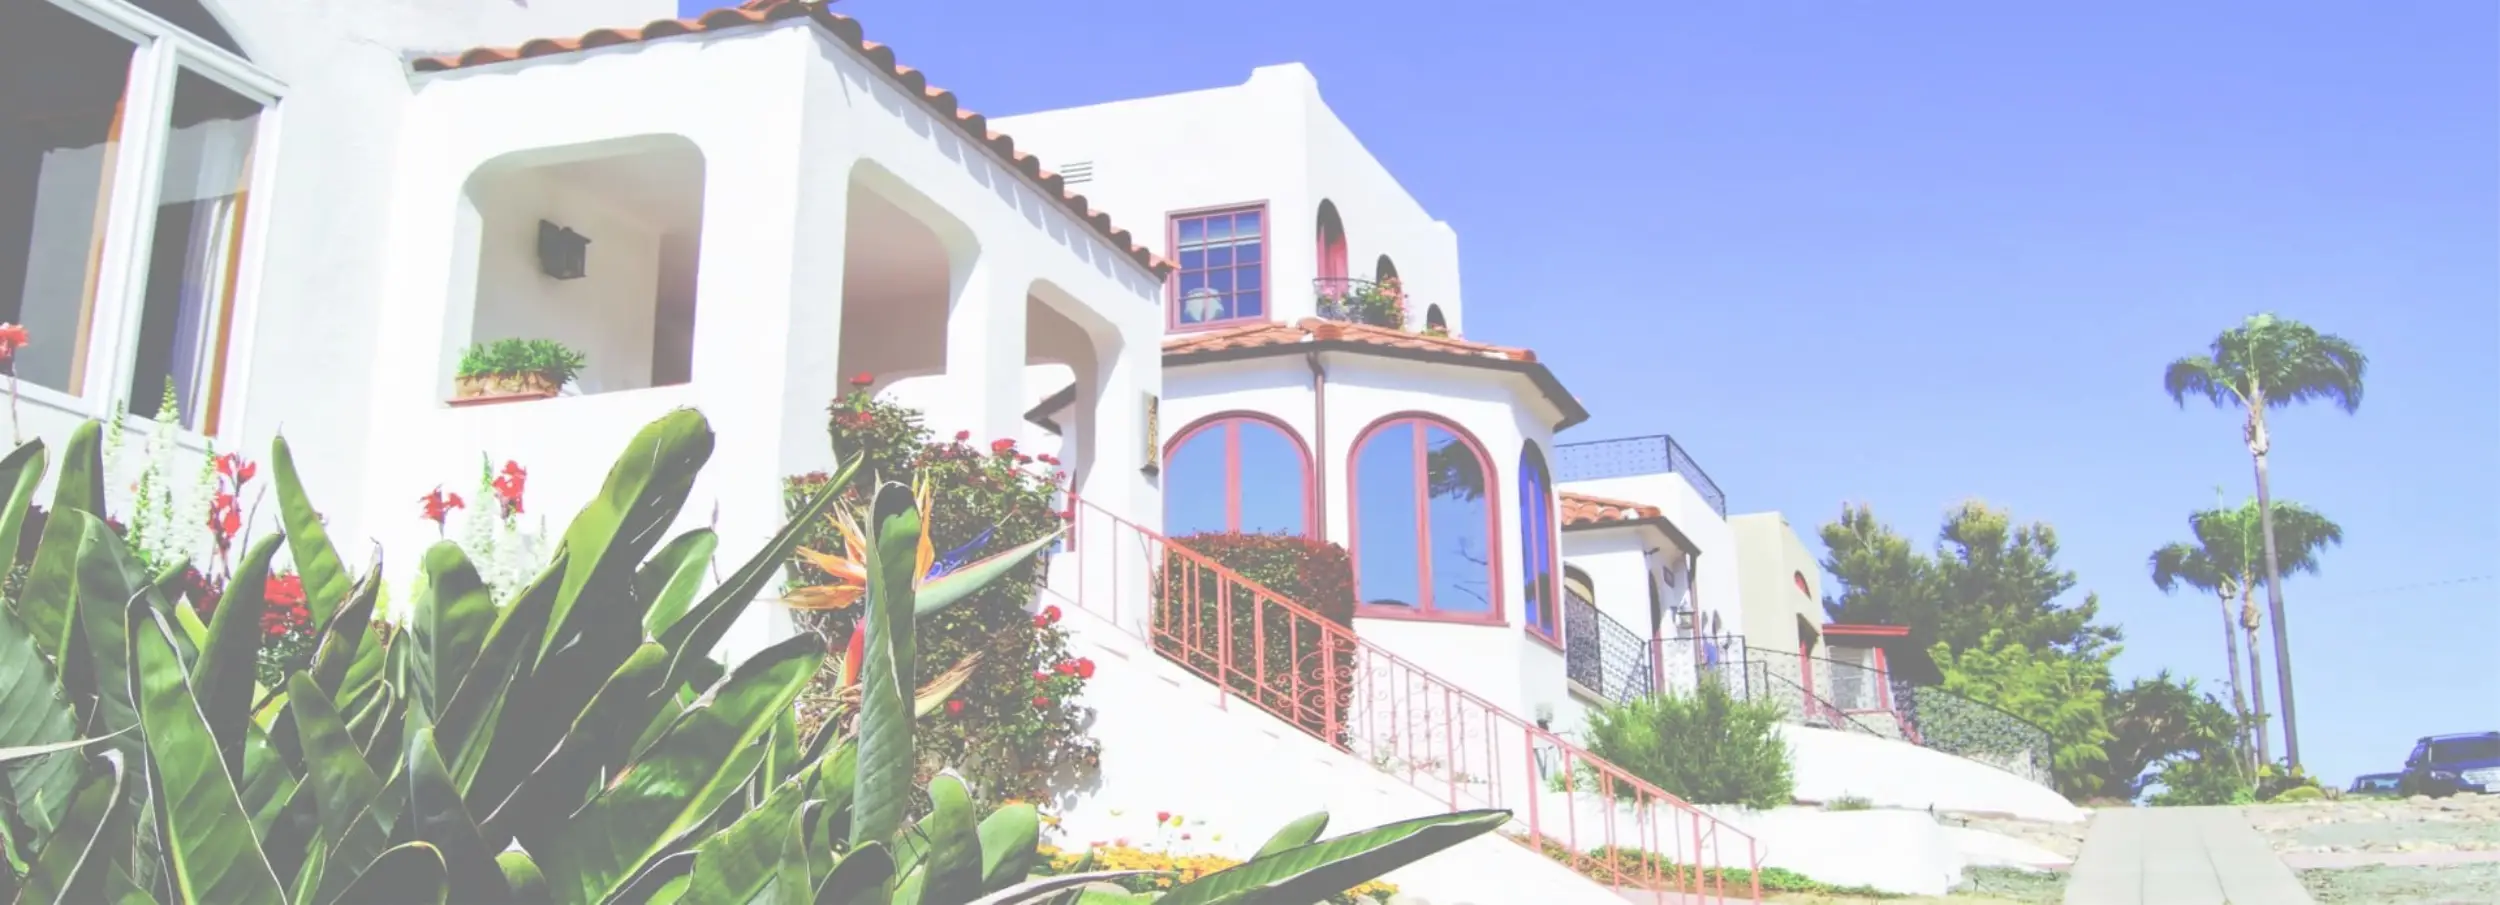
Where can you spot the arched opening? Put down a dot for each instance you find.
(1583, 657)
(1434, 321)
(1237, 473)
(901, 253)
(1537, 543)
(1384, 270)
(1332, 244)
(588, 251)
(1424, 522)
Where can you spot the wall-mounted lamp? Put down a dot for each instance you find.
(562, 253)
(1683, 620)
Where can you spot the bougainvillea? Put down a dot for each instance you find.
(1016, 728)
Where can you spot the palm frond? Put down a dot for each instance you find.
(2199, 376)
(2188, 564)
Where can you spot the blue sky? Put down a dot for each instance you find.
(1907, 254)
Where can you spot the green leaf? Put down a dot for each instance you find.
(1313, 872)
(213, 853)
(522, 877)
(949, 869)
(860, 879)
(347, 639)
(307, 539)
(735, 865)
(1011, 839)
(447, 626)
(108, 585)
(665, 880)
(32, 712)
(1302, 831)
(884, 727)
(71, 869)
(1037, 891)
(468, 719)
(642, 494)
(945, 590)
(49, 596)
(440, 819)
(411, 874)
(337, 786)
(692, 637)
(223, 676)
(599, 736)
(21, 471)
(672, 578)
(679, 782)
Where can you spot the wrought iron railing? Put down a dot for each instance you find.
(1855, 698)
(1318, 676)
(1360, 301)
(1603, 655)
(1595, 460)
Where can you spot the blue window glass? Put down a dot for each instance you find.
(1536, 541)
(1219, 278)
(1423, 521)
(1236, 474)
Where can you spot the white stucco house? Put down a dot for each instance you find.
(302, 217)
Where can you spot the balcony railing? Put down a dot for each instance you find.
(1622, 458)
(1852, 698)
(1603, 655)
(1356, 301)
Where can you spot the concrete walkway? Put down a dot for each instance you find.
(2179, 856)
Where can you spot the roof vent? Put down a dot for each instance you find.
(1077, 172)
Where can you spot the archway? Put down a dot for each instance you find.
(1332, 244)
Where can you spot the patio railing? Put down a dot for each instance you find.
(1357, 301)
(1625, 457)
(1603, 655)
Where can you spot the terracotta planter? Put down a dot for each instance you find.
(482, 389)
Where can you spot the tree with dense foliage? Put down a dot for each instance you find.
(2223, 562)
(2265, 363)
(2063, 693)
(2157, 721)
(1707, 746)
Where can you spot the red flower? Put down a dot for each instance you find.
(1040, 676)
(1065, 668)
(1002, 446)
(1041, 702)
(1084, 668)
(509, 486)
(1048, 459)
(1163, 816)
(438, 505)
(234, 467)
(962, 436)
(954, 708)
(12, 338)
(863, 379)
(1022, 459)
(284, 590)
(1048, 615)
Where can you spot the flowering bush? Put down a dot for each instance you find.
(1380, 304)
(507, 553)
(1014, 728)
(1172, 863)
(1305, 667)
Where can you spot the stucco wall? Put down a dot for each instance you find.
(607, 314)
(1270, 139)
(1830, 764)
(1770, 557)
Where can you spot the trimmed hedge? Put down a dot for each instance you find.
(1280, 661)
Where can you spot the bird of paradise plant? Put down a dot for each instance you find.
(944, 579)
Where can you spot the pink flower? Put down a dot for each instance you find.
(863, 379)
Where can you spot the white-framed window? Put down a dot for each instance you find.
(134, 139)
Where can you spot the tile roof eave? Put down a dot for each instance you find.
(762, 12)
(1572, 412)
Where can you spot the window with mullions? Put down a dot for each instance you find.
(1222, 274)
(104, 103)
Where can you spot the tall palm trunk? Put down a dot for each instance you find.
(2256, 678)
(2231, 658)
(2257, 448)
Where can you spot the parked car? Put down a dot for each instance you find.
(2443, 765)
(2377, 784)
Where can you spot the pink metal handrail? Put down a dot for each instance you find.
(1314, 672)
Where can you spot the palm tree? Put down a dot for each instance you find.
(2227, 541)
(2196, 566)
(2264, 363)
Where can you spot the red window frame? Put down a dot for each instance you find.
(1172, 288)
(1230, 422)
(1423, 610)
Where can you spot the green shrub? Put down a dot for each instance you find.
(2281, 778)
(1707, 746)
(1291, 667)
(557, 361)
(1849, 803)
(2298, 794)
(574, 744)
(1016, 728)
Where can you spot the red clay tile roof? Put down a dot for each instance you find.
(760, 12)
(1582, 510)
(1316, 330)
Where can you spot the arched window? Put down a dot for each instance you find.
(1424, 522)
(1238, 473)
(1434, 320)
(1536, 544)
(1384, 270)
(1332, 248)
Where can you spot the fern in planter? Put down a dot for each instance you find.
(517, 367)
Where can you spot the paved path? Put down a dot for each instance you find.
(2179, 856)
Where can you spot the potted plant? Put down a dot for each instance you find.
(509, 369)
(1381, 304)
